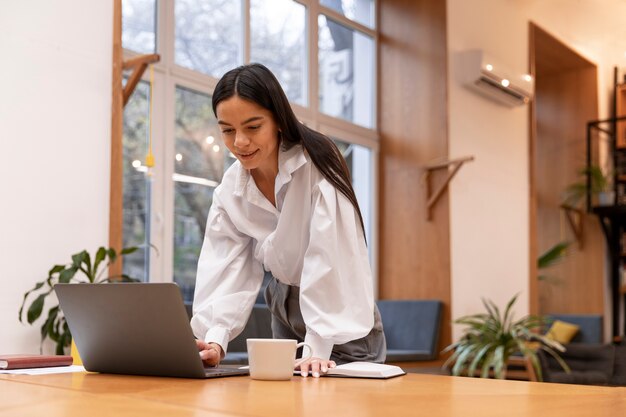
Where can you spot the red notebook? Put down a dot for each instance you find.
(22, 361)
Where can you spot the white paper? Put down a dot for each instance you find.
(45, 371)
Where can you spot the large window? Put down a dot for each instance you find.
(138, 25)
(323, 54)
(278, 40)
(346, 72)
(361, 11)
(137, 184)
(199, 162)
(208, 35)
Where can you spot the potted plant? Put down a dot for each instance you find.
(80, 270)
(600, 186)
(491, 338)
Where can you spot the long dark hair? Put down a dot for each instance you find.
(256, 83)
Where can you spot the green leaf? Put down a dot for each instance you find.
(55, 269)
(79, 257)
(576, 192)
(112, 255)
(87, 268)
(54, 330)
(67, 274)
(34, 311)
(499, 362)
(558, 358)
(464, 356)
(553, 255)
(35, 288)
(507, 310)
(452, 357)
(531, 355)
(100, 255)
(599, 181)
(119, 278)
(492, 310)
(52, 315)
(487, 365)
(126, 278)
(66, 337)
(128, 250)
(48, 325)
(477, 358)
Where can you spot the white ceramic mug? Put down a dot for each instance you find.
(274, 359)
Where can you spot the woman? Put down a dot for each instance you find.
(287, 206)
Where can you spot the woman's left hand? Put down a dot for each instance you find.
(316, 367)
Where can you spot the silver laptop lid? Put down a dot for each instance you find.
(131, 328)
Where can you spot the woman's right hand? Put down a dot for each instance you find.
(210, 353)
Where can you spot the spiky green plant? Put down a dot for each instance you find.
(576, 192)
(491, 338)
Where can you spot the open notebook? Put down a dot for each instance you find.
(365, 370)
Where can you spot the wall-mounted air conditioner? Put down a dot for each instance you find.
(491, 79)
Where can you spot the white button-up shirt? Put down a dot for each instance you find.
(311, 239)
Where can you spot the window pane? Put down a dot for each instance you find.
(346, 73)
(138, 25)
(208, 35)
(277, 40)
(136, 212)
(361, 11)
(200, 161)
(359, 160)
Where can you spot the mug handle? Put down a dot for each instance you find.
(304, 358)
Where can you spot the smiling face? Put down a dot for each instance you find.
(250, 133)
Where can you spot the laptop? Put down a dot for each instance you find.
(134, 328)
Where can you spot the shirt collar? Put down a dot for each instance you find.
(288, 162)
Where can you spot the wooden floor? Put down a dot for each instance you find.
(413, 394)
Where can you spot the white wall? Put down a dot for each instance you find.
(55, 100)
(489, 212)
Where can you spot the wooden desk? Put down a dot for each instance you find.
(411, 395)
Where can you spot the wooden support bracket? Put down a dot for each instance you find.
(456, 165)
(575, 220)
(138, 65)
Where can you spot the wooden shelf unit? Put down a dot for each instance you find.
(613, 222)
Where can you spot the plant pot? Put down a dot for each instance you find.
(606, 198)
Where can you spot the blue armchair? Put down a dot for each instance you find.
(411, 328)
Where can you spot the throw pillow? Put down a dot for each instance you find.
(562, 331)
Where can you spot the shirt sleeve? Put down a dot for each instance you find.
(336, 289)
(227, 282)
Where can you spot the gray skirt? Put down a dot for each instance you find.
(287, 323)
